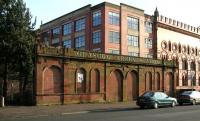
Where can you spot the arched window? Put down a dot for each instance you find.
(81, 81)
(193, 81)
(188, 49)
(179, 48)
(169, 43)
(184, 80)
(193, 66)
(184, 64)
(148, 81)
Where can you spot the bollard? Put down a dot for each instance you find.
(2, 101)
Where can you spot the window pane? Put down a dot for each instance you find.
(113, 18)
(96, 37)
(67, 29)
(114, 37)
(80, 42)
(148, 42)
(148, 27)
(67, 43)
(56, 32)
(80, 24)
(133, 41)
(133, 23)
(96, 18)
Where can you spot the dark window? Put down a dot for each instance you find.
(192, 65)
(96, 37)
(113, 18)
(67, 29)
(133, 41)
(179, 48)
(114, 37)
(199, 67)
(80, 42)
(184, 64)
(56, 32)
(133, 23)
(169, 46)
(80, 24)
(96, 18)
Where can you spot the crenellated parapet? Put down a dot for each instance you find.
(178, 24)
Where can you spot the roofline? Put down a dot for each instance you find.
(89, 5)
(132, 7)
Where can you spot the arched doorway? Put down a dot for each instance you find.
(157, 81)
(115, 86)
(52, 82)
(148, 81)
(94, 81)
(132, 85)
(168, 84)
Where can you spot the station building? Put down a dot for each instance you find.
(115, 31)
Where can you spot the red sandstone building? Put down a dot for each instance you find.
(119, 30)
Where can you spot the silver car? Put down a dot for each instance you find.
(191, 97)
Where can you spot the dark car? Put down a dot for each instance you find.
(191, 97)
(155, 99)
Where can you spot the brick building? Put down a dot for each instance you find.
(119, 30)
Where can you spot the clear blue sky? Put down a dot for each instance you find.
(186, 11)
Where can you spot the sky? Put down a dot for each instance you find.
(186, 11)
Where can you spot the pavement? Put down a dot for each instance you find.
(69, 109)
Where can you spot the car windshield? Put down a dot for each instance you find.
(187, 93)
(148, 94)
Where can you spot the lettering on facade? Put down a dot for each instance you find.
(101, 56)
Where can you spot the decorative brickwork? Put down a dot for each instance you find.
(69, 76)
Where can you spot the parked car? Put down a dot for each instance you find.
(191, 97)
(155, 100)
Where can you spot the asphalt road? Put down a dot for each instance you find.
(178, 113)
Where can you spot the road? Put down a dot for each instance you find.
(179, 113)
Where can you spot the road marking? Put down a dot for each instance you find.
(72, 113)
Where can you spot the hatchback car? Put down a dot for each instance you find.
(191, 97)
(155, 99)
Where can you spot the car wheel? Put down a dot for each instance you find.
(155, 106)
(173, 104)
(193, 102)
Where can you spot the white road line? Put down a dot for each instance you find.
(72, 113)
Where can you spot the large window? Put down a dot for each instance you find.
(113, 51)
(67, 29)
(148, 43)
(80, 24)
(113, 37)
(148, 27)
(96, 18)
(133, 23)
(96, 37)
(80, 42)
(113, 18)
(56, 32)
(67, 43)
(133, 54)
(133, 41)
